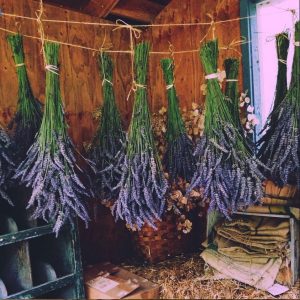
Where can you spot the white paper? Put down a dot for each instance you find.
(103, 284)
(277, 289)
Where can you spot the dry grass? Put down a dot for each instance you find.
(180, 278)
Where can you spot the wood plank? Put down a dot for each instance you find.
(45, 287)
(139, 10)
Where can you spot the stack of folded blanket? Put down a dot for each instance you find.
(252, 250)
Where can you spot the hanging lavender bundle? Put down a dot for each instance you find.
(27, 119)
(6, 166)
(108, 147)
(178, 159)
(280, 146)
(142, 184)
(226, 170)
(50, 167)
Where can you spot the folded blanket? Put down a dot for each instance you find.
(261, 276)
(259, 226)
(243, 253)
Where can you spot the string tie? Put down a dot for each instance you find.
(297, 44)
(106, 80)
(282, 61)
(216, 75)
(122, 24)
(169, 86)
(20, 65)
(138, 85)
(232, 80)
(52, 69)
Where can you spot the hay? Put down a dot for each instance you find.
(180, 278)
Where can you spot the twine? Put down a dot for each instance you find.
(282, 61)
(20, 65)
(106, 80)
(39, 13)
(234, 43)
(232, 80)
(108, 51)
(169, 86)
(297, 44)
(53, 69)
(122, 24)
(3, 14)
(133, 33)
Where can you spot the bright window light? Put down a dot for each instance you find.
(273, 17)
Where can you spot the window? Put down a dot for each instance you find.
(267, 18)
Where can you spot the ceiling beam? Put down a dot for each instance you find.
(140, 10)
(99, 8)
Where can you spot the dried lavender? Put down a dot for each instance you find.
(108, 147)
(50, 167)
(280, 146)
(227, 171)
(27, 119)
(142, 185)
(6, 165)
(178, 159)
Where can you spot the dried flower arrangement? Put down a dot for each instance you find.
(280, 145)
(28, 117)
(227, 172)
(7, 166)
(177, 203)
(142, 185)
(108, 147)
(50, 167)
(178, 160)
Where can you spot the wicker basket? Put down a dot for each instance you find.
(157, 245)
(275, 195)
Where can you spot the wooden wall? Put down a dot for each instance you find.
(79, 76)
(81, 85)
(188, 70)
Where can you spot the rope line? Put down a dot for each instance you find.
(11, 15)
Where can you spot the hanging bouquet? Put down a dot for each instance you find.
(50, 167)
(280, 145)
(178, 159)
(108, 147)
(142, 185)
(6, 165)
(227, 172)
(27, 119)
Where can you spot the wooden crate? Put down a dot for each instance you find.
(21, 247)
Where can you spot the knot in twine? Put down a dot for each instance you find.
(53, 69)
(133, 30)
(235, 43)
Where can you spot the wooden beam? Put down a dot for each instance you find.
(140, 10)
(99, 8)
